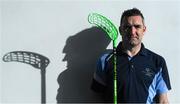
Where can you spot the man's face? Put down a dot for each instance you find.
(132, 30)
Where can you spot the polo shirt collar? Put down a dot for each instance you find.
(143, 50)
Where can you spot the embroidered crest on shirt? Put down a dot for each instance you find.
(148, 72)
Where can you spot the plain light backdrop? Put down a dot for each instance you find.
(44, 26)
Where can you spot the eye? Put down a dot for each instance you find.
(127, 27)
(138, 26)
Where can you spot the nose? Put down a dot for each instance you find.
(133, 30)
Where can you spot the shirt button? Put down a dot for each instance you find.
(132, 66)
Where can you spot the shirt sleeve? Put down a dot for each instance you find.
(99, 78)
(163, 81)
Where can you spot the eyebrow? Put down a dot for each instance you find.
(136, 25)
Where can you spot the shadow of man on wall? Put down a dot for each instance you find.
(82, 52)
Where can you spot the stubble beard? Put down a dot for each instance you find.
(131, 43)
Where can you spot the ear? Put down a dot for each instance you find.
(120, 30)
(144, 29)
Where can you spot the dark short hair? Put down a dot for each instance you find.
(131, 12)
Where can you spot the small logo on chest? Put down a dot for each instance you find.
(148, 72)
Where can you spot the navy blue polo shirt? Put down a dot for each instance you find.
(140, 78)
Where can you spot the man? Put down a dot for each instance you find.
(142, 75)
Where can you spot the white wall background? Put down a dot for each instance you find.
(44, 26)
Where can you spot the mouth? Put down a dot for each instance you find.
(133, 38)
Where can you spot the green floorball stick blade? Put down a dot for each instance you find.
(105, 24)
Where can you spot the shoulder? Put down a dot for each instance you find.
(106, 55)
(103, 59)
(156, 58)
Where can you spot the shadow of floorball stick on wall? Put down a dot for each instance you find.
(36, 60)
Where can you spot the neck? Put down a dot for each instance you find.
(132, 50)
